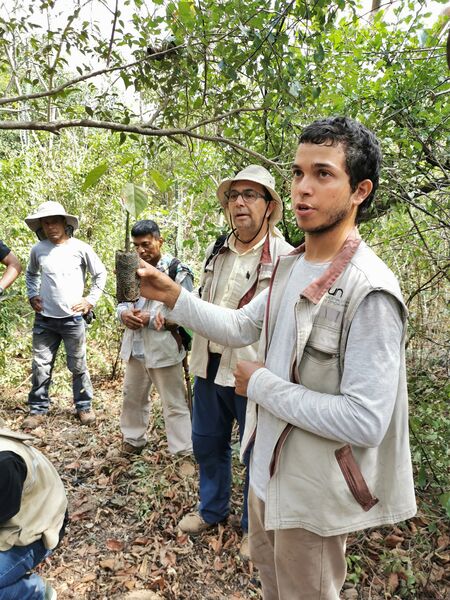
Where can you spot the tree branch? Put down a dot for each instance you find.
(111, 40)
(56, 127)
(90, 75)
(225, 116)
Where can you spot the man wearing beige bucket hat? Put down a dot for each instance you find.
(232, 274)
(55, 280)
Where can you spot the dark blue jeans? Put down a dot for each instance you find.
(15, 581)
(48, 333)
(215, 409)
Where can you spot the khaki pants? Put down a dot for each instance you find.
(295, 564)
(169, 382)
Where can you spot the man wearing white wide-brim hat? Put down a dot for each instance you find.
(55, 280)
(237, 268)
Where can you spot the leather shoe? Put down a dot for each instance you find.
(194, 524)
(33, 421)
(87, 417)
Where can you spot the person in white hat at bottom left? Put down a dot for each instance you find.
(55, 280)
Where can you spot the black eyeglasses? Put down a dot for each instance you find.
(248, 196)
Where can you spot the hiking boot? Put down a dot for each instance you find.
(33, 421)
(49, 592)
(194, 524)
(130, 449)
(244, 549)
(87, 417)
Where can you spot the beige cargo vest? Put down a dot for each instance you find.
(258, 281)
(318, 484)
(44, 502)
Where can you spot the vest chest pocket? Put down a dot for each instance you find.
(319, 371)
(319, 366)
(324, 341)
(325, 334)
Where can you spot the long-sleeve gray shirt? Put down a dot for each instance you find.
(57, 273)
(360, 414)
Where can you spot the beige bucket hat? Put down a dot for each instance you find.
(259, 175)
(50, 209)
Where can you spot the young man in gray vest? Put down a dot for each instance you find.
(327, 415)
(55, 279)
(232, 275)
(33, 506)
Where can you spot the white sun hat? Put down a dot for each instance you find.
(50, 209)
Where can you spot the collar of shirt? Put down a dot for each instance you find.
(253, 250)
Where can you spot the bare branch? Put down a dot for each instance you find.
(442, 274)
(405, 198)
(225, 116)
(90, 75)
(111, 41)
(56, 127)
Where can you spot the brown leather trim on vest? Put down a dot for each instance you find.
(264, 260)
(320, 286)
(278, 447)
(267, 312)
(354, 478)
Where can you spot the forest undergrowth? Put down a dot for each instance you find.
(123, 543)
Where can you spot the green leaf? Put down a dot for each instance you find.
(421, 477)
(94, 175)
(161, 183)
(186, 12)
(127, 158)
(134, 199)
(319, 54)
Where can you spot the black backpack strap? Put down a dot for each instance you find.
(182, 333)
(218, 244)
(173, 268)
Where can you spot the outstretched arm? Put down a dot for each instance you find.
(233, 328)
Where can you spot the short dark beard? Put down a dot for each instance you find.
(328, 226)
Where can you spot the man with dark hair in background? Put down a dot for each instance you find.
(327, 414)
(153, 357)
